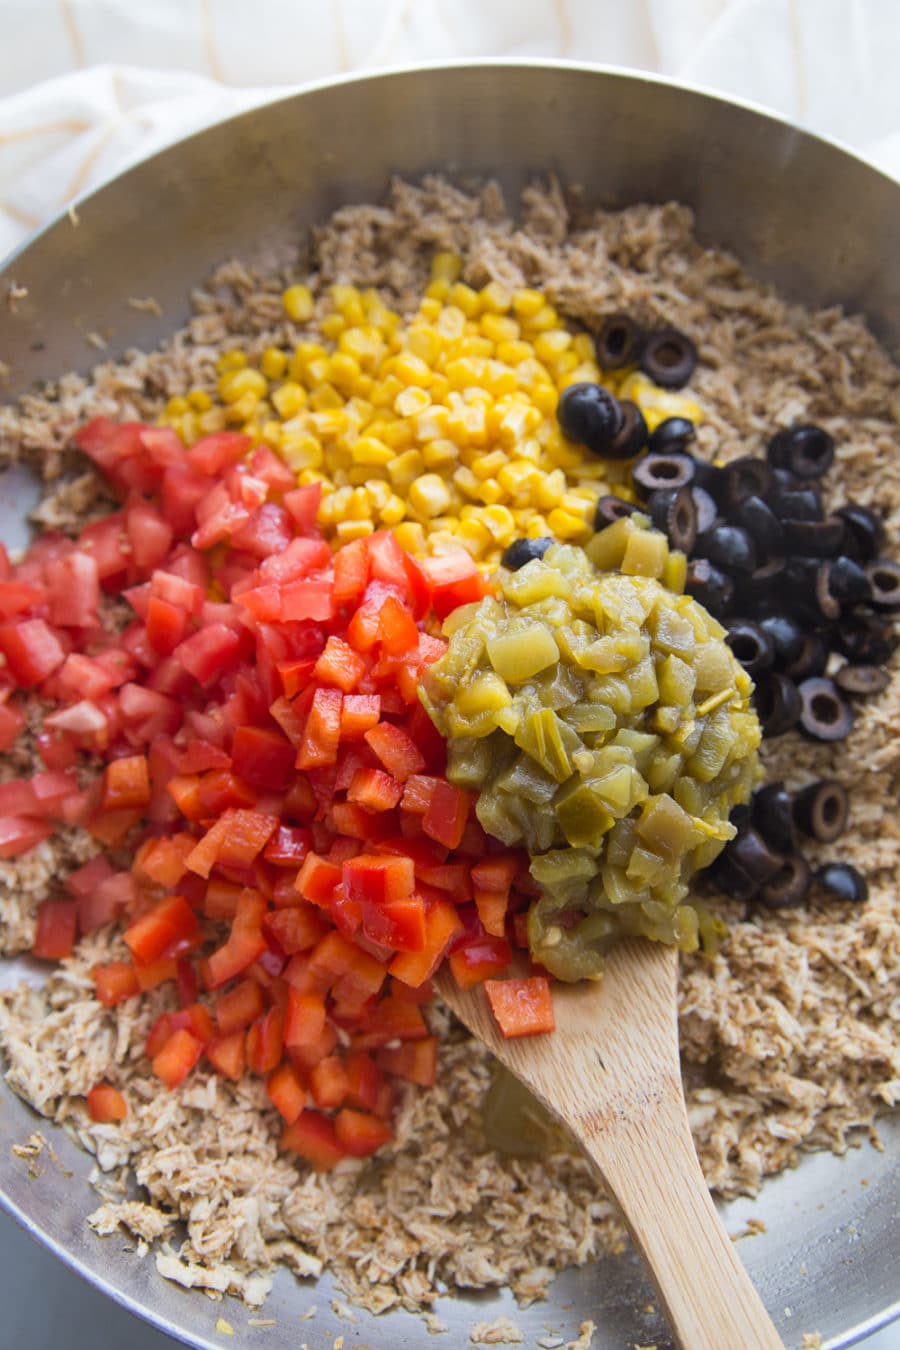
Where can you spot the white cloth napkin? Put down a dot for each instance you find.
(89, 86)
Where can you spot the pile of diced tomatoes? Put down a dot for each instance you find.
(249, 747)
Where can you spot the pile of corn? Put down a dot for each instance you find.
(442, 427)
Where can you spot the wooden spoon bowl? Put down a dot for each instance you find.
(611, 1072)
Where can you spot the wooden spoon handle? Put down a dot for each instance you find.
(651, 1169)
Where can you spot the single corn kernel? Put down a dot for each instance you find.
(404, 469)
(333, 325)
(410, 536)
(429, 495)
(273, 363)
(344, 372)
(288, 399)
(348, 302)
(242, 409)
(348, 530)
(446, 267)
(548, 347)
(499, 328)
(412, 401)
(489, 466)
(500, 522)
(567, 526)
(324, 397)
(177, 406)
(430, 308)
(411, 370)
(438, 290)
(424, 342)
(489, 492)
(393, 511)
(212, 420)
(302, 451)
(236, 384)
(200, 400)
(298, 303)
(231, 360)
(451, 322)
(464, 298)
(370, 450)
(583, 347)
(495, 298)
(527, 303)
(440, 453)
(270, 432)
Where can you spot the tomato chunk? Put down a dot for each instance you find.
(106, 1104)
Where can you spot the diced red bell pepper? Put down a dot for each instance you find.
(317, 879)
(227, 1054)
(396, 750)
(442, 924)
(351, 572)
(392, 1019)
(286, 1091)
(262, 756)
(152, 974)
(288, 846)
(415, 1061)
(313, 1136)
(479, 958)
(364, 1080)
(305, 1018)
(115, 982)
(244, 945)
(57, 921)
(375, 879)
(126, 783)
(174, 1061)
(359, 713)
(455, 580)
(168, 929)
(339, 665)
(492, 908)
(328, 1082)
(265, 1042)
(360, 1134)
(106, 1105)
(296, 929)
(522, 1007)
(238, 1007)
(447, 813)
(398, 924)
(374, 790)
(322, 732)
(237, 837)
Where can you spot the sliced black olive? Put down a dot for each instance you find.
(522, 551)
(773, 816)
(711, 587)
(761, 523)
(805, 451)
(789, 886)
(745, 477)
(821, 810)
(668, 357)
(751, 646)
(618, 343)
(840, 881)
(710, 477)
(829, 606)
(815, 538)
(778, 704)
(674, 433)
(825, 715)
(741, 815)
(705, 506)
(811, 660)
(729, 547)
(672, 510)
(865, 680)
(751, 852)
(731, 878)
(798, 587)
(848, 582)
(590, 415)
(782, 481)
(632, 439)
(864, 638)
(864, 528)
(654, 472)
(796, 503)
(884, 578)
(762, 588)
(786, 636)
(610, 509)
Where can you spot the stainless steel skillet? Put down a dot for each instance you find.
(801, 212)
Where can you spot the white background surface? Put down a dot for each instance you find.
(88, 86)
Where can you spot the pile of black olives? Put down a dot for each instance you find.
(763, 862)
(799, 590)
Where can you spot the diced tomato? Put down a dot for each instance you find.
(73, 584)
(18, 596)
(286, 1091)
(303, 504)
(174, 1061)
(115, 982)
(57, 921)
(313, 1136)
(106, 1105)
(209, 652)
(12, 721)
(360, 1134)
(107, 543)
(32, 651)
(415, 1061)
(105, 902)
(167, 930)
(522, 1007)
(455, 580)
(328, 1082)
(212, 454)
(149, 535)
(262, 756)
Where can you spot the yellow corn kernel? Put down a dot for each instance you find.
(236, 384)
(348, 302)
(451, 322)
(333, 325)
(411, 369)
(270, 432)
(475, 345)
(343, 372)
(301, 450)
(465, 480)
(398, 434)
(526, 303)
(474, 536)
(348, 530)
(404, 469)
(189, 429)
(211, 421)
(429, 495)
(438, 290)
(241, 410)
(431, 424)
(410, 536)
(562, 367)
(324, 397)
(499, 521)
(583, 347)
(430, 308)
(489, 492)
(495, 298)
(273, 363)
(288, 399)
(200, 400)
(411, 402)
(425, 342)
(546, 317)
(177, 406)
(545, 398)
(550, 489)
(464, 298)
(393, 510)
(298, 303)
(567, 526)
(585, 372)
(364, 345)
(549, 347)
(512, 353)
(440, 454)
(370, 450)
(489, 466)
(516, 477)
(231, 360)
(446, 267)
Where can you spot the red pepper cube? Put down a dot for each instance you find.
(418, 792)
(364, 1080)
(265, 1042)
(359, 713)
(286, 1091)
(351, 572)
(398, 924)
(448, 811)
(442, 925)
(228, 1055)
(244, 945)
(236, 838)
(151, 974)
(305, 1018)
(295, 929)
(522, 1007)
(126, 783)
(414, 1061)
(374, 790)
(360, 1134)
(262, 757)
(57, 921)
(236, 1008)
(328, 1082)
(478, 959)
(167, 930)
(339, 665)
(115, 982)
(397, 751)
(498, 871)
(374, 879)
(393, 1019)
(174, 1061)
(492, 907)
(322, 732)
(306, 1057)
(317, 879)
(337, 958)
(106, 1104)
(313, 1136)
(397, 629)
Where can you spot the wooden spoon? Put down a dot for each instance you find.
(611, 1072)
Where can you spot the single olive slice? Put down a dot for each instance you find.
(669, 358)
(773, 816)
(672, 510)
(761, 523)
(786, 636)
(746, 477)
(811, 659)
(825, 715)
(673, 433)
(710, 477)
(796, 503)
(705, 506)
(731, 878)
(807, 451)
(618, 343)
(865, 638)
(790, 885)
(848, 582)
(864, 680)
(829, 605)
(864, 528)
(884, 579)
(589, 415)
(751, 852)
(708, 584)
(522, 551)
(762, 588)
(609, 509)
(841, 881)
(815, 538)
(741, 815)
(729, 547)
(632, 439)
(654, 472)
(751, 645)
(821, 810)
(778, 704)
